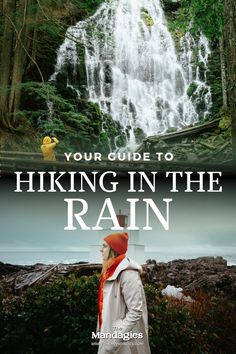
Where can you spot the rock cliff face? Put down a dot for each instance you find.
(6, 268)
(208, 274)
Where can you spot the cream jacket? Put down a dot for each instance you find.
(124, 312)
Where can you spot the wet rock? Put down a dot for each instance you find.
(209, 274)
(146, 17)
(171, 130)
(27, 276)
(139, 135)
(191, 89)
(194, 144)
(6, 269)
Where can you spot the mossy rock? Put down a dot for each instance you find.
(103, 136)
(147, 18)
(159, 145)
(225, 123)
(171, 130)
(121, 140)
(191, 89)
(139, 135)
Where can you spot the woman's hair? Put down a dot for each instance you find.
(108, 262)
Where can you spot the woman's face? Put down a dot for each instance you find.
(105, 250)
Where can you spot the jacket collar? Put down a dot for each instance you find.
(123, 265)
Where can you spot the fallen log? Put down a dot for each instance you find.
(187, 132)
(208, 146)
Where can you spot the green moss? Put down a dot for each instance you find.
(177, 21)
(191, 89)
(214, 78)
(139, 135)
(79, 124)
(225, 123)
(146, 17)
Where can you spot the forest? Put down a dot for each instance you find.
(40, 96)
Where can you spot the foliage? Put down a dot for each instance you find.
(214, 79)
(225, 123)
(197, 15)
(206, 16)
(172, 328)
(225, 126)
(203, 15)
(200, 16)
(79, 124)
(191, 89)
(55, 17)
(87, 7)
(205, 325)
(55, 319)
(60, 318)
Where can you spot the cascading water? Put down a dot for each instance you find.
(133, 71)
(195, 69)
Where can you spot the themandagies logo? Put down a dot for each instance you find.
(117, 335)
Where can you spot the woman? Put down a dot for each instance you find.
(122, 309)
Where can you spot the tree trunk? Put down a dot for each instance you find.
(8, 12)
(230, 44)
(35, 38)
(18, 19)
(223, 73)
(22, 46)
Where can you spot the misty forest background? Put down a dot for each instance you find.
(32, 30)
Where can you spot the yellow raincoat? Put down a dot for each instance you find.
(48, 148)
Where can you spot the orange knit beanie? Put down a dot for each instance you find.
(118, 242)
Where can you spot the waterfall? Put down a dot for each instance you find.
(195, 69)
(132, 68)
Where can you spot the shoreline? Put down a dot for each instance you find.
(208, 274)
(160, 258)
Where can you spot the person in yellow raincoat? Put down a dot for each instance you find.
(48, 148)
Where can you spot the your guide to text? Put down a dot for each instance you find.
(118, 156)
